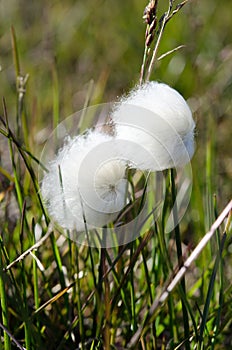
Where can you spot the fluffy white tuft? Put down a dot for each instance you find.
(85, 180)
(158, 119)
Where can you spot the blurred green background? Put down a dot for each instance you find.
(65, 45)
(74, 49)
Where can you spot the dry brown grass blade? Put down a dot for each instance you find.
(29, 250)
(170, 52)
(53, 299)
(193, 256)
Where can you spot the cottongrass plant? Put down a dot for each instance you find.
(86, 186)
(160, 291)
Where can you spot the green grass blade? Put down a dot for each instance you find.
(180, 259)
(210, 291)
(4, 306)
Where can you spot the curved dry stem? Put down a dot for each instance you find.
(196, 252)
(163, 21)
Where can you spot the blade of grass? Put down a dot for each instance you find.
(132, 291)
(79, 311)
(53, 299)
(86, 103)
(21, 122)
(12, 337)
(91, 295)
(58, 260)
(180, 258)
(107, 321)
(27, 324)
(166, 264)
(217, 321)
(186, 265)
(131, 265)
(9, 134)
(28, 166)
(147, 277)
(210, 290)
(29, 250)
(15, 52)
(35, 280)
(114, 313)
(15, 172)
(4, 306)
(56, 102)
(6, 174)
(14, 283)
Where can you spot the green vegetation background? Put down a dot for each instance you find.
(66, 46)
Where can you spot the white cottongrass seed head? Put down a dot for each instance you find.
(85, 183)
(158, 125)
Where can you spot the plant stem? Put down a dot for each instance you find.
(154, 54)
(107, 302)
(7, 345)
(180, 258)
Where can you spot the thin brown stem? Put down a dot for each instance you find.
(180, 274)
(164, 21)
(166, 18)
